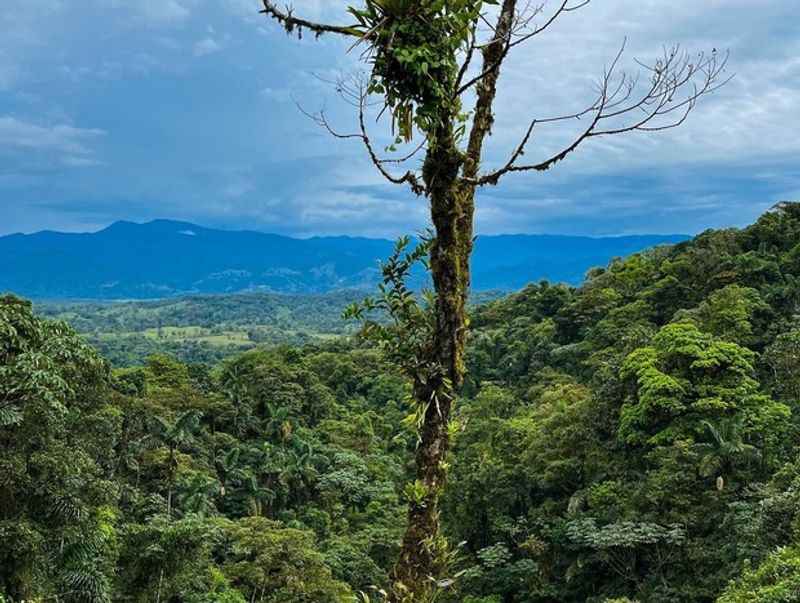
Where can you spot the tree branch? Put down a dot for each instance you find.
(350, 93)
(518, 24)
(291, 23)
(409, 177)
(564, 8)
(654, 108)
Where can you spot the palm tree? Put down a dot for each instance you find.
(228, 469)
(257, 496)
(271, 463)
(726, 451)
(298, 469)
(197, 493)
(234, 385)
(175, 435)
(278, 423)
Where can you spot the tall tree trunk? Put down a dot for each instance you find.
(447, 173)
(421, 557)
(171, 486)
(160, 582)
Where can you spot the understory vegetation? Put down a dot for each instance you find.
(635, 439)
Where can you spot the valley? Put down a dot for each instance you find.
(399, 301)
(204, 328)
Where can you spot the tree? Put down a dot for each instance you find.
(686, 380)
(197, 494)
(56, 443)
(726, 450)
(175, 435)
(782, 361)
(422, 55)
(228, 468)
(264, 559)
(257, 496)
(774, 581)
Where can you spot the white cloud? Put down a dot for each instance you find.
(23, 24)
(243, 8)
(73, 161)
(164, 10)
(238, 187)
(206, 47)
(71, 145)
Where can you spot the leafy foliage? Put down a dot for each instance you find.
(777, 580)
(414, 45)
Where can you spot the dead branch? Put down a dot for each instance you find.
(564, 8)
(654, 110)
(514, 36)
(291, 23)
(355, 92)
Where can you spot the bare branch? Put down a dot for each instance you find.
(564, 8)
(291, 23)
(355, 93)
(321, 120)
(653, 109)
(514, 36)
(409, 177)
(494, 177)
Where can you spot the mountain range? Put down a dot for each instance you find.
(166, 258)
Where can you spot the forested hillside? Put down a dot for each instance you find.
(635, 439)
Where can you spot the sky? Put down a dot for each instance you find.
(187, 109)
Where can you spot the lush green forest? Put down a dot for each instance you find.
(203, 328)
(208, 328)
(634, 439)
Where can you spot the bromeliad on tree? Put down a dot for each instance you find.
(425, 57)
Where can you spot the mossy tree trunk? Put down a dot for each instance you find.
(452, 204)
(448, 173)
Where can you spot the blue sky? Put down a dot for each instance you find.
(184, 109)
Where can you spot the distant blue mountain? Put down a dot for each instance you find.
(166, 258)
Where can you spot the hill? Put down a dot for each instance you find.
(165, 258)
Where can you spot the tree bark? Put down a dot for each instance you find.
(452, 200)
(421, 557)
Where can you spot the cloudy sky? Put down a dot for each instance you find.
(185, 109)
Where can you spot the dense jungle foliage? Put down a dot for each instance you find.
(635, 439)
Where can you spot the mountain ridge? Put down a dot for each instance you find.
(167, 258)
